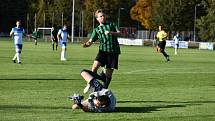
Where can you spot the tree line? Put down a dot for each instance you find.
(174, 15)
(178, 15)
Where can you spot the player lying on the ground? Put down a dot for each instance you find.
(100, 100)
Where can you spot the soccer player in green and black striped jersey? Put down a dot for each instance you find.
(109, 48)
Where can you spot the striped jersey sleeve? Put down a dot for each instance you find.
(108, 43)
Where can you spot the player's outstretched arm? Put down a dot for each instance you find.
(11, 34)
(58, 37)
(82, 106)
(68, 37)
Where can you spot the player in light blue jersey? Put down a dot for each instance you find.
(17, 34)
(176, 39)
(62, 39)
(99, 100)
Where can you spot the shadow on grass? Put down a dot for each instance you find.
(4, 107)
(149, 109)
(118, 109)
(160, 105)
(129, 109)
(37, 79)
(169, 102)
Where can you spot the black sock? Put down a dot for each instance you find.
(164, 53)
(95, 75)
(106, 84)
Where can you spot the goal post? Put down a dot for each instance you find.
(46, 32)
(45, 28)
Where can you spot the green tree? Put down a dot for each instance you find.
(175, 14)
(170, 14)
(206, 24)
(54, 10)
(47, 7)
(111, 8)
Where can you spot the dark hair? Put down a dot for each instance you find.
(104, 99)
(65, 24)
(18, 21)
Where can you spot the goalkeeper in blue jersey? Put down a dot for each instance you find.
(99, 100)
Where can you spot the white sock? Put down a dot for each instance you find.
(62, 54)
(175, 51)
(14, 58)
(18, 57)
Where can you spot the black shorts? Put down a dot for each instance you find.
(162, 44)
(95, 75)
(96, 85)
(108, 60)
(55, 40)
(34, 38)
(177, 45)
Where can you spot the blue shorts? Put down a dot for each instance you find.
(63, 44)
(18, 46)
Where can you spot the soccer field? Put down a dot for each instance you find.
(146, 87)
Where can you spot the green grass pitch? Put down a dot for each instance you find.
(146, 87)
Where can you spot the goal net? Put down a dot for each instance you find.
(45, 33)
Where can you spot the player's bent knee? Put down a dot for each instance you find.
(84, 71)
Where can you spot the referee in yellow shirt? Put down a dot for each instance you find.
(161, 36)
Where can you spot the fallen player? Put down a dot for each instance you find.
(99, 100)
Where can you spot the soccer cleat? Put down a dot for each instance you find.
(19, 63)
(14, 61)
(63, 59)
(88, 88)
